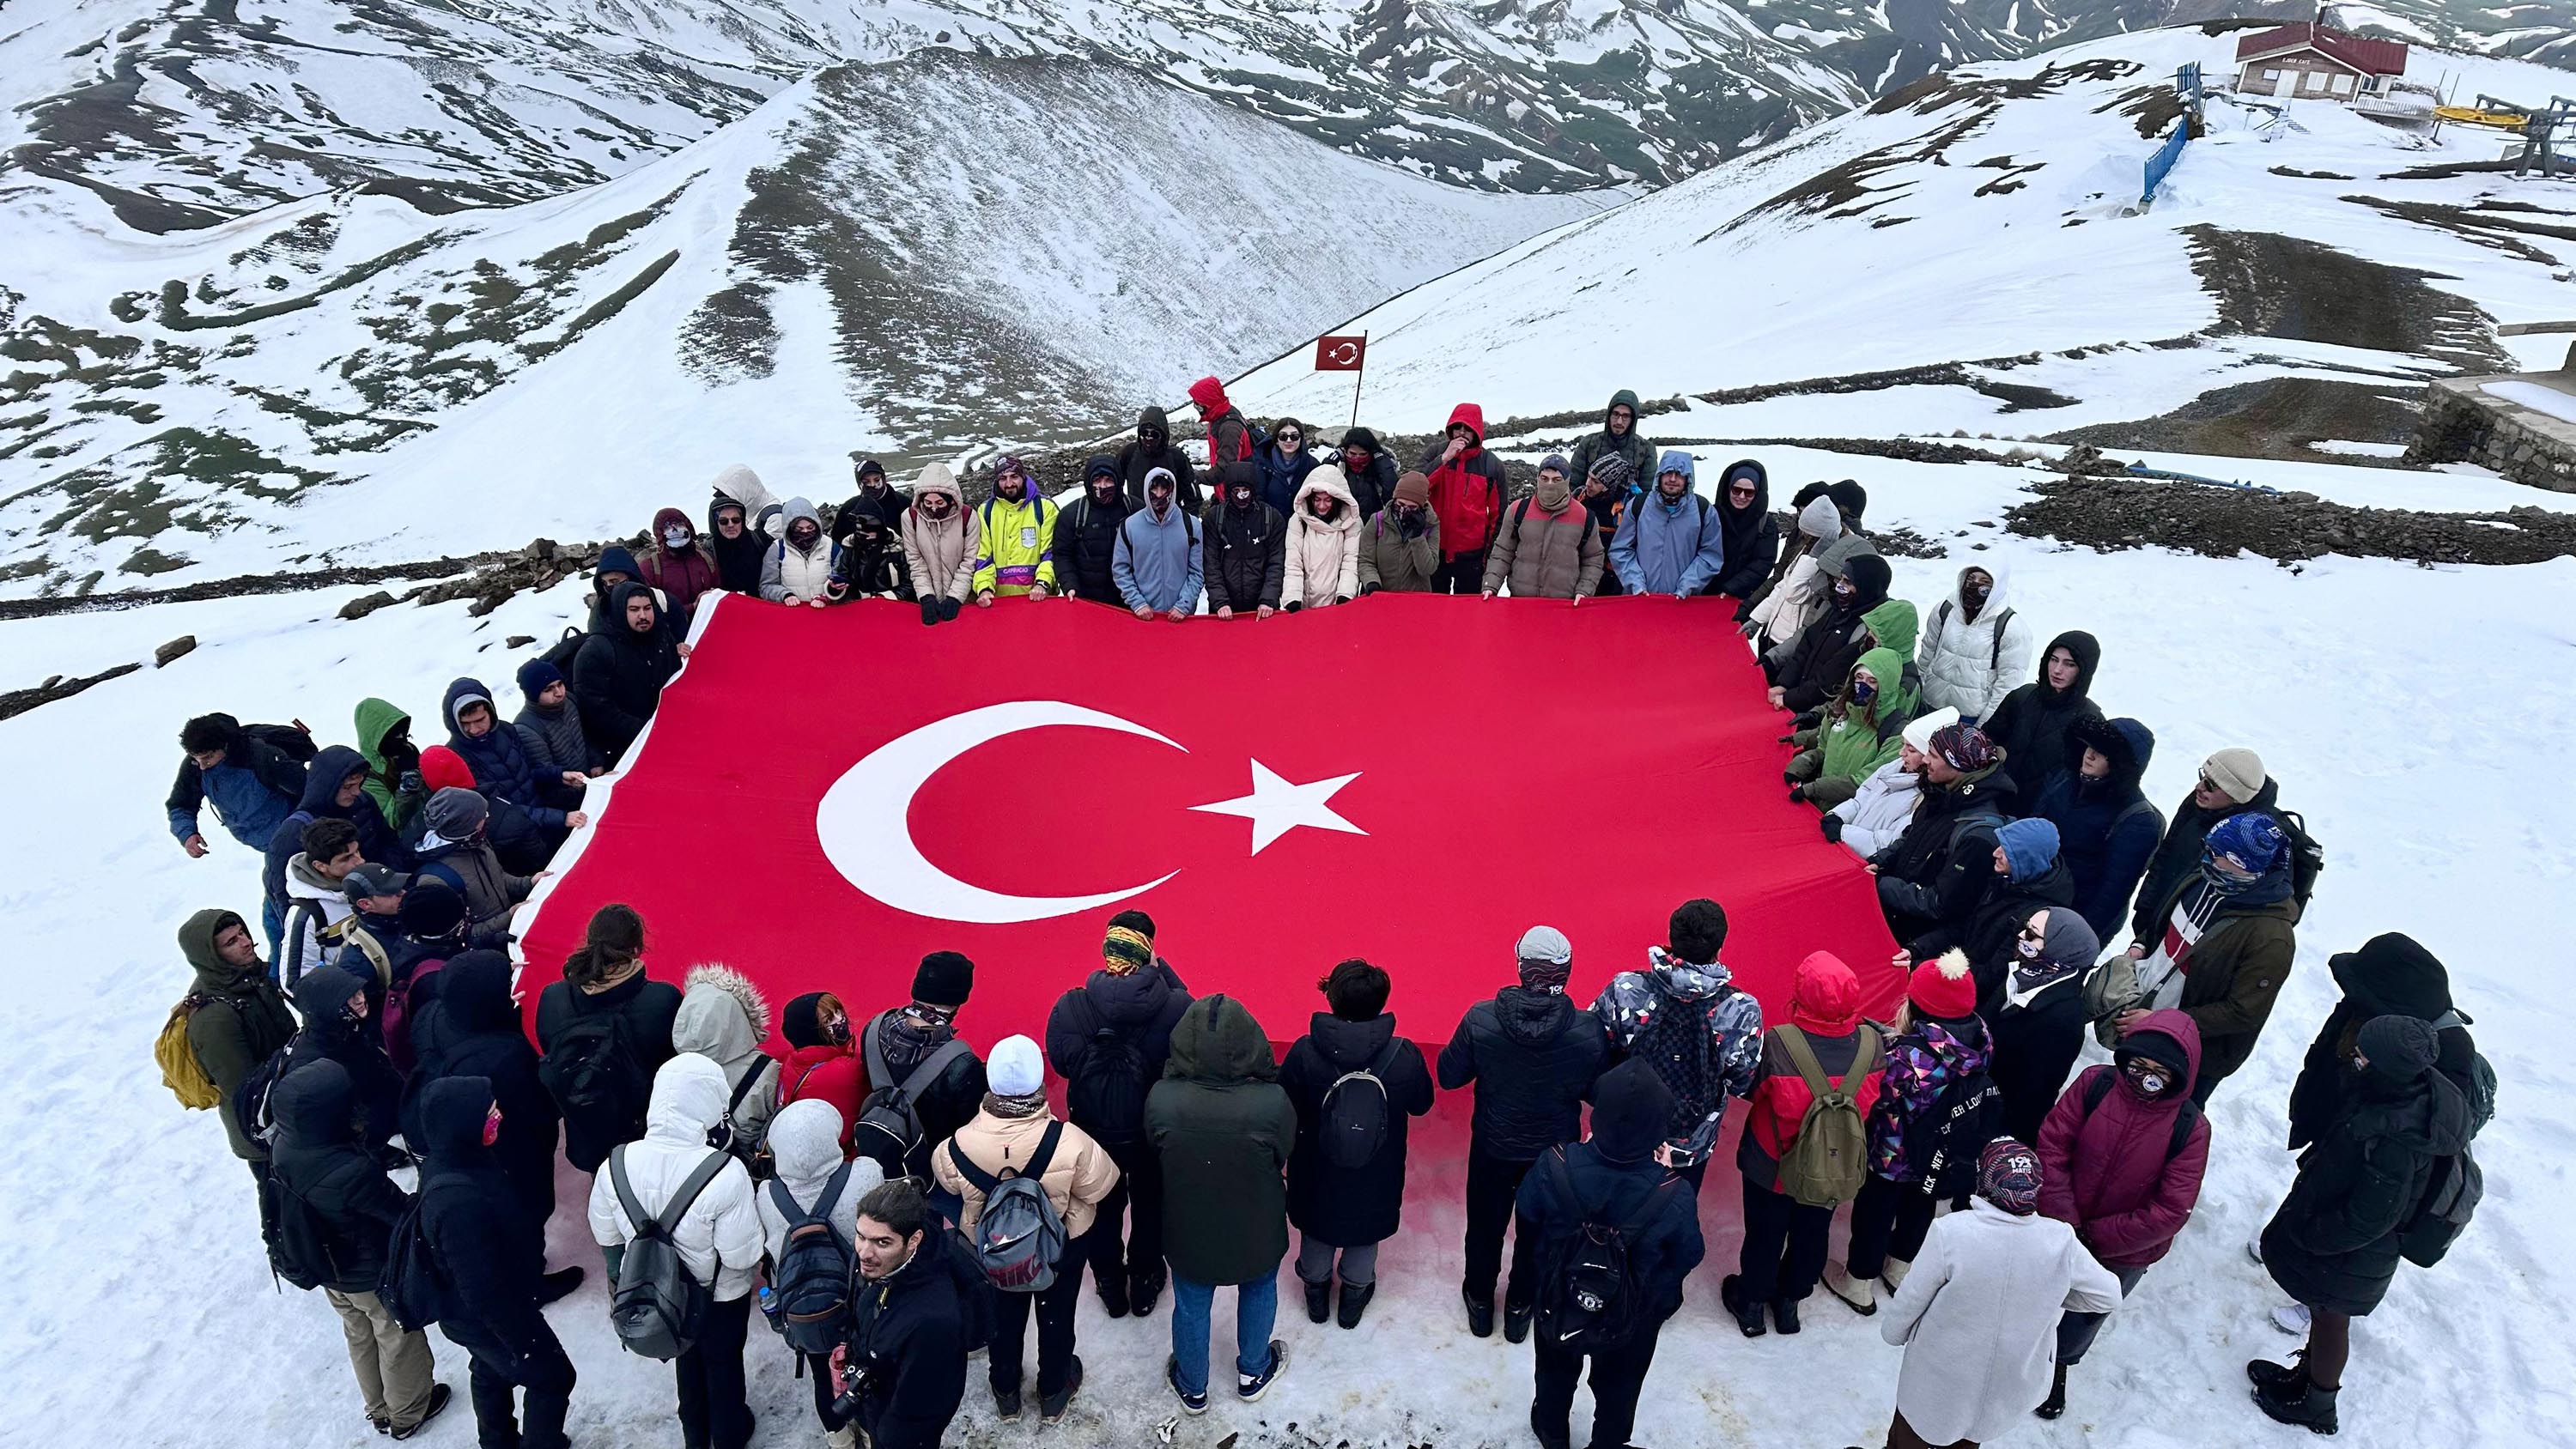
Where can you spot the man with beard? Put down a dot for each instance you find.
(1018, 558)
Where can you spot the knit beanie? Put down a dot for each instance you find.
(1965, 747)
(1546, 958)
(2237, 771)
(1100, 466)
(536, 677)
(2398, 1048)
(944, 979)
(2253, 840)
(801, 1022)
(2158, 1046)
(1556, 461)
(441, 768)
(1850, 497)
(2008, 1176)
(1126, 950)
(1945, 989)
(1413, 488)
(1015, 1068)
(430, 909)
(1920, 731)
(2030, 846)
(454, 813)
(1630, 1106)
(616, 559)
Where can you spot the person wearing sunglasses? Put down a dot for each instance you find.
(1752, 534)
(2038, 1019)
(1283, 463)
(2231, 782)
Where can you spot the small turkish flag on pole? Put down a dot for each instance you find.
(1345, 354)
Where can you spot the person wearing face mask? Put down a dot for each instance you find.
(1283, 463)
(1157, 566)
(619, 673)
(2024, 874)
(2231, 782)
(677, 564)
(1369, 470)
(335, 1008)
(1820, 659)
(1467, 487)
(2033, 1001)
(1976, 648)
(941, 541)
(1672, 541)
(2106, 827)
(2228, 940)
(1859, 732)
(1532, 1055)
(2335, 1243)
(1400, 547)
(870, 477)
(1153, 448)
(1320, 558)
(2121, 1155)
(1086, 536)
(491, 1262)
(1017, 559)
(1246, 561)
(1878, 812)
(798, 569)
(872, 562)
(895, 1045)
(820, 1065)
(2034, 721)
(1547, 547)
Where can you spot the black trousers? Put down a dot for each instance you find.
(1617, 1377)
(818, 1367)
(1464, 574)
(1888, 1219)
(1784, 1245)
(1111, 1245)
(713, 1412)
(1492, 1185)
(1054, 1309)
(544, 1373)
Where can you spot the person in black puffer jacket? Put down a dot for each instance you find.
(618, 674)
(1343, 1213)
(1086, 535)
(317, 1159)
(491, 1263)
(1532, 1055)
(2391, 975)
(2033, 722)
(605, 977)
(907, 1035)
(1822, 656)
(2027, 874)
(1246, 545)
(335, 1007)
(1938, 868)
(472, 1029)
(1109, 1038)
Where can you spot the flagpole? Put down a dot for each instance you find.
(1359, 379)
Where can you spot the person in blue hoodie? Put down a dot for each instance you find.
(2106, 829)
(1671, 540)
(525, 831)
(1158, 564)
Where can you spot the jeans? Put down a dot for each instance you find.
(272, 918)
(1140, 1185)
(1492, 1186)
(1256, 1308)
(1315, 1261)
(393, 1364)
(1887, 1219)
(543, 1371)
(1617, 1377)
(1784, 1245)
(713, 1411)
(1054, 1309)
(2076, 1331)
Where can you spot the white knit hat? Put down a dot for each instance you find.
(1919, 734)
(1016, 1070)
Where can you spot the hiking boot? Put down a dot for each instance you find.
(2055, 1403)
(1113, 1295)
(1319, 1300)
(2303, 1403)
(1190, 1403)
(1355, 1301)
(1858, 1294)
(1142, 1290)
(1249, 1387)
(1480, 1314)
(1006, 1404)
(1516, 1320)
(1748, 1316)
(1784, 1314)
(556, 1284)
(1051, 1406)
(439, 1394)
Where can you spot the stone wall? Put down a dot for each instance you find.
(2460, 425)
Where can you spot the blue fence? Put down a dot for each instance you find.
(2187, 82)
(2163, 161)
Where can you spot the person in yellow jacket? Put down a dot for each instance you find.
(1018, 555)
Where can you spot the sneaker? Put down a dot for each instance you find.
(1249, 1387)
(1006, 1404)
(1113, 1295)
(1516, 1320)
(1480, 1315)
(2292, 1318)
(1190, 1403)
(556, 1284)
(2055, 1403)
(1784, 1314)
(1860, 1295)
(1051, 1406)
(1142, 1290)
(1748, 1316)
(439, 1394)
(1319, 1300)
(1355, 1301)
(383, 1426)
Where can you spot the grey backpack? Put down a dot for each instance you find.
(657, 1307)
(1019, 1237)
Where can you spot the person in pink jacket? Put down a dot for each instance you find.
(2123, 1152)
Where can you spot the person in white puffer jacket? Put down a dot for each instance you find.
(1974, 648)
(718, 1238)
(805, 1147)
(797, 569)
(1879, 811)
(1323, 554)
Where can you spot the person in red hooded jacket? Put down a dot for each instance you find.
(678, 565)
(1784, 1239)
(2121, 1156)
(821, 1063)
(1229, 437)
(1467, 488)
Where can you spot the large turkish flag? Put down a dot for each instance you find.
(826, 795)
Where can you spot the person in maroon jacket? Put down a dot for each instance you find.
(1467, 488)
(1784, 1239)
(678, 564)
(1229, 437)
(2122, 1153)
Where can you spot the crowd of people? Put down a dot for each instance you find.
(890, 1201)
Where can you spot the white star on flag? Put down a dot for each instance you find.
(1276, 807)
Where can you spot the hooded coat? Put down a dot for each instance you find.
(1700, 1033)
(1086, 545)
(254, 788)
(1229, 437)
(2033, 722)
(1138, 1009)
(803, 575)
(737, 559)
(505, 773)
(804, 1152)
(318, 1158)
(1532, 1057)
(238, 1021)
(1675, 548)
(1977, 1317)
(330, 769)
(1632, 448)
(723, 1018)
(1159, 562)
(1467, 491)
(619, 674)
(2391, 975)
(322, 999)
(719, 1237)
(1985, 931)
(760, 506)
(1970, 664)
(1821, 658)
(468, 866)
(1246, 561)
(2106, 828)
(1752, 534)
(1544, 553)
(1350, 1207)
(1139, 458)
(2109, 1172)
(1224, 1130)
(1825, 1006)
(2039, 1028)
(1320, 559)
(472, 1029)
(941, 552)
(491, 1256)
(376, 722)
(870, 533)
(1612, 1176)
(682, 574)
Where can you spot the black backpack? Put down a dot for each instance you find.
(2307, 857)
(1352, 1125)
(750, 1149)
(811, 1279)
(412, 1283)
(657, 1308)
(560, 653)
(299, 1242)
(594, 1077)
(293, 741)
(889, 1125)
(2098, 1086)
(1942, 1144)
(1593, 1300)
(1106, 1094)
(2457, 1186)
(249, 1105)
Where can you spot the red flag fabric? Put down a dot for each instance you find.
(1340, 354)
(828, 794)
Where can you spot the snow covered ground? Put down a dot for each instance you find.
(2417, 717)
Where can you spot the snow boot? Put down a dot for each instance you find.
(2055, 1403)
(2278, 1375)
(1858, 1294)
(1319, 1300)
(1051, 1407)
(1142, 1290)
(1516, 1320)
(1355, 1301)
(2303, 1403)
(1784, 1314)
(1113, 1295)
(1480, 1313)
(1748, 1316)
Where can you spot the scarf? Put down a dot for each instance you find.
(1014, 1108)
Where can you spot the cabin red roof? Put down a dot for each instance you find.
(2370, 57)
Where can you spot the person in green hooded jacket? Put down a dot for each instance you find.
(237, 1018)
(393, 762)
(1619, 439)
(1862, 729)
